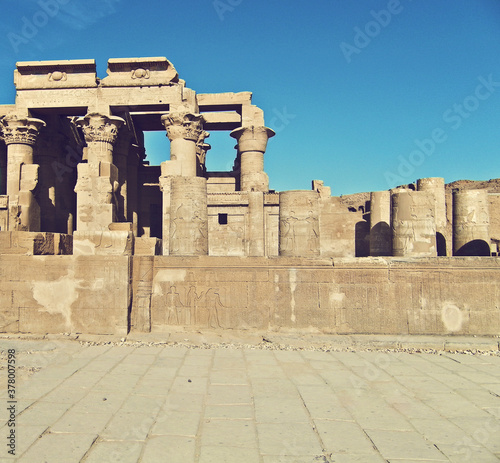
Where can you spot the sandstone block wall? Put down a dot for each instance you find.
(109, 294)
(369, 295)
(64, 294)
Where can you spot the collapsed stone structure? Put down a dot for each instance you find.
(94, 239)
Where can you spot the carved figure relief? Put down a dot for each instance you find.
(188, 305)
(213, 303)
(192, 299)
(174, 307)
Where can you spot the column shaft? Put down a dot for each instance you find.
(413, 224)
(380, 224)
(471, 220)
(20, 135)
(256, 223)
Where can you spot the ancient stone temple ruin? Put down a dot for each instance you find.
(95, 239)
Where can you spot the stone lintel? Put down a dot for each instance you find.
(223, 101)
(223, 120)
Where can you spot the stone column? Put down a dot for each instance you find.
(201, 154)
(20, 134)
(120, 160)
(134, 160)
(256, 223)
(98, 178)
(54, 167)
(435, 186)
(471, 222)
(185, 218)
(413, 224)
(299, 224)
(252, 143)
(183, 130)
(3, 167)
(188, 231)
(380, 224)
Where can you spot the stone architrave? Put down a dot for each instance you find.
(184, 130)
(252, 143)
(20, 135)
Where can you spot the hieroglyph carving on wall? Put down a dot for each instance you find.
(187, 310)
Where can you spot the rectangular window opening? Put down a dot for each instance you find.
(222, 219)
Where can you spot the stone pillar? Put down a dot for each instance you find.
(120, 160)
(188, 231)
(256, 223)
(55, 167)
(20, 134)
(3, 167)
(413, 224)
(380, 224)
(471, 222)
(166, 188)
(184, 130)
(435, 186)
(98, 178)
(134, 160)
(252, 143)
(201, 154)
(299, 224)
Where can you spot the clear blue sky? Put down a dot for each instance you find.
(350, 92)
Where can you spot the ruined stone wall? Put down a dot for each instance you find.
(92, 294)
(64, 294)
(382, 295)
(343, 230)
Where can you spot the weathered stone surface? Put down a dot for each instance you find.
(471, 220)
(57, 294)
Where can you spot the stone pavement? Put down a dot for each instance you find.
(215, 398)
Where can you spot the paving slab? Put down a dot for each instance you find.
(221, 397)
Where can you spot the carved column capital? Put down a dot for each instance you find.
(100, 128)
(253, 138)
(183, 125)
(20, 130)
(201, 152)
